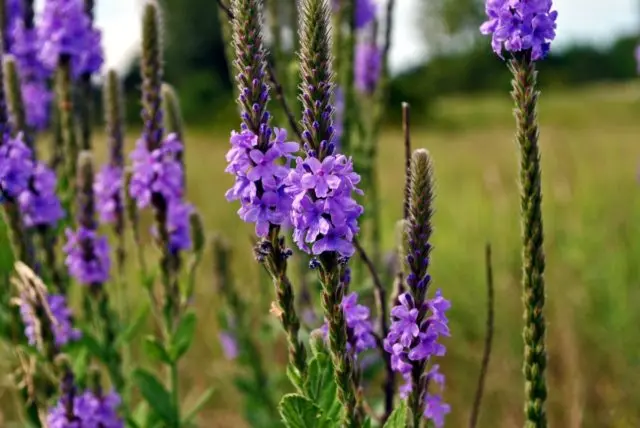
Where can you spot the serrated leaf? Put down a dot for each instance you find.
(133, 327)
(320, 386)
(183, 336)
(298, 411)
(398, 418)
(156, 395)
(153, 349)
(294, 376)
(200, 403)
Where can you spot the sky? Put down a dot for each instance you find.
(587, 21)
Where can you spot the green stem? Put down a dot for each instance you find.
(332, 295)
(175, 391)
(525, 95)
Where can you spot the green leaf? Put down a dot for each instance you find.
(200, 403)
(398, 418)
(80, 363)
(320, 386)
(133, 327)
(298, 411)
(183, 337)
(154, 350)
(294, 376)
(93, 346)
(156, 395)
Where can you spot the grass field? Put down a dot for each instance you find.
(591, 154)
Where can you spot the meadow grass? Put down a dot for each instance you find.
(590, 157)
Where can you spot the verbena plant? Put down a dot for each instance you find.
(307, 193)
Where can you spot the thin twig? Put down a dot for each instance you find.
(279, 92)
(487, 340)
(406, 129)
(381, 302)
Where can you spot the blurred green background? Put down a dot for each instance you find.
(590, 136)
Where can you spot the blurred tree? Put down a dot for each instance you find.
(450, 25)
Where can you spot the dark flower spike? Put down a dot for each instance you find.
(17, 115)
(151, 67)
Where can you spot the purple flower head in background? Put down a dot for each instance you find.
(108, 188)
(359, 327)
(89, 410)
(178, 226)
(260, 178)
(63, 331)
(158, 171)
(637, 56)
(324, 215)
(88, 258)
(16, 167)
(368, 66)
(338, 120)
(35, 92)
(410, 339)
(66, 30)
(365, 11)
(229, 345)
(39, 203)
(520, 25)
(14, 11)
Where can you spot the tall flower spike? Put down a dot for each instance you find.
(151, 67)
(173, 122)
(324, 213)
(525, 96)
(17, 115)
(259, 158)
(418, 322)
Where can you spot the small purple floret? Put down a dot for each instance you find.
(88, 257)
(39, 203)
(89, 410)
(63, 331)
(359, 327)
(108, 188)
(368, 66)
(16, 167)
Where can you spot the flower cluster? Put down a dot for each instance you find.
(160, 172)
(16, 167)
(260, 178)
(520, 25)
(359, 327)
(89, 411)
(108, 190)
(156, 171)
(34, 75)
(365, 12)
(88, 258)
(67, 31)
(410, 339)
(39, 203)
(368, 66)
(324, 214)
(14, 11)
(63, 331)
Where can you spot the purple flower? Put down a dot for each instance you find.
(88, 257)
(63, 331)
(368, 66)
(359, 327)
(365, 12)
(108, 190)
(66, 30)
(411, 339)
(39, 204)
(637, 55)
(34, 75)
(324, 212)
(14, 12)
(229, 345)
(158, 171)
(89, 411)
(260, 178)
(178, 226)
(520, 25)
(16, 167)
(338, 122)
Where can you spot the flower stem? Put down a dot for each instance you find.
(525, 96)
